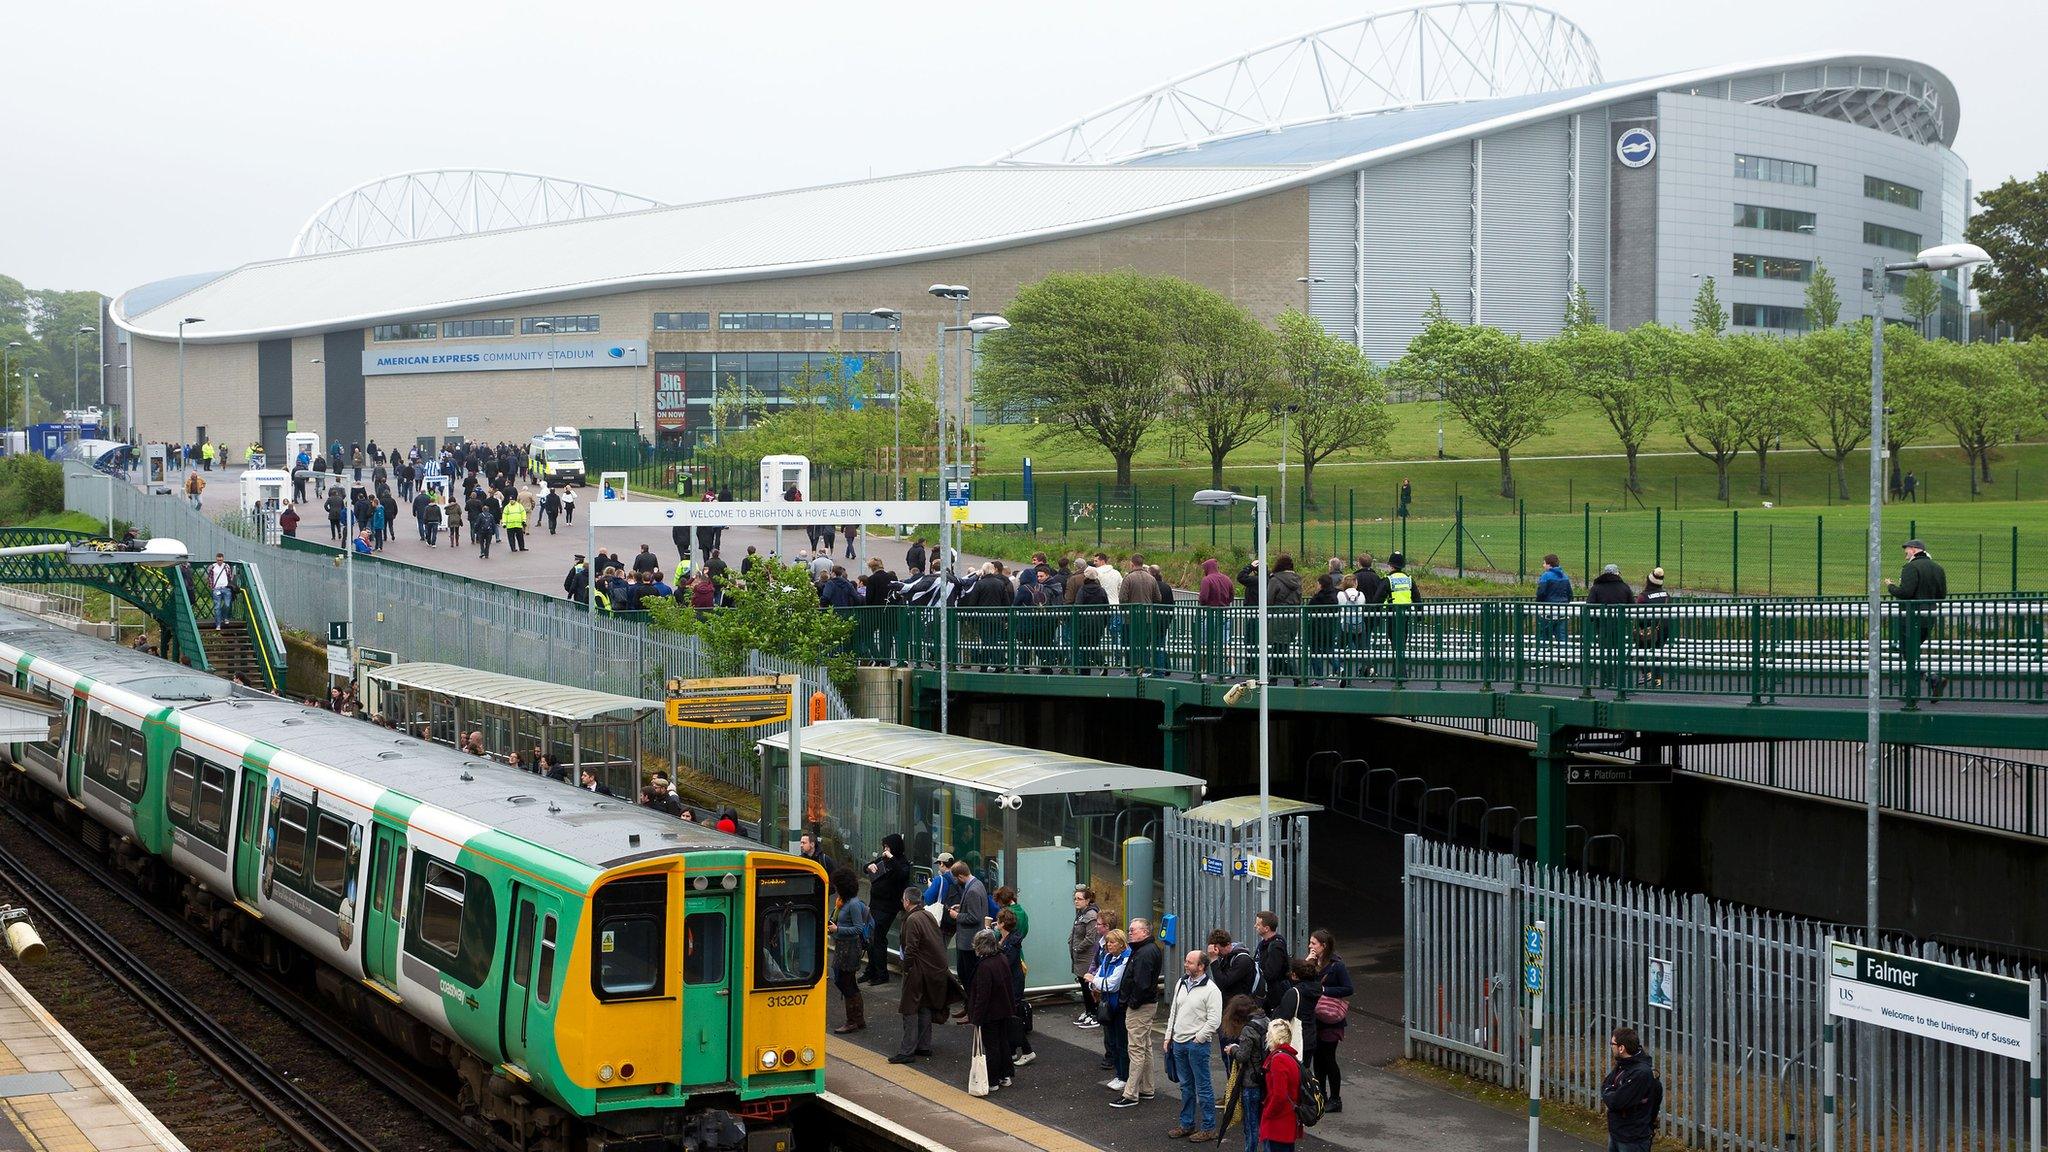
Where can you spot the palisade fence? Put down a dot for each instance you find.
(1738, 1047)
(419, 614)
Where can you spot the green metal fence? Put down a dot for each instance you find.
(1967, 648)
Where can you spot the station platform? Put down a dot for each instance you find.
(55, 1096)
(1059, 1101)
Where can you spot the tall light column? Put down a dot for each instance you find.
(6, 374)
(895, 319)
(77, 397)
(182, 453)
(548, 327)
(1224, 498)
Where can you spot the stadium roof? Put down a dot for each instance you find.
(954, 211)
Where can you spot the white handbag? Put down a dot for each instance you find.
(977, 1069)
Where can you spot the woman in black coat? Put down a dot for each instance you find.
(988, 1007)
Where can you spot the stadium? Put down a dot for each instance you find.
(1472, 150)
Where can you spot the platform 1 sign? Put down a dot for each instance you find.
(729, 702)
(1938, 1001)
(690, 513)
(1617, 774)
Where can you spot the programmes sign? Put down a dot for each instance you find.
(395, 360)
(1938, 1001)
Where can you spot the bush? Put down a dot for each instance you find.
(30, 486)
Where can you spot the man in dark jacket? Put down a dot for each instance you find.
(1631, 1094)
(888, 875)
(1608, 588)
(837, 591)
(1140, 997)
(1232, 968)
(1920, 579)
(926, 980)
(1370, 584)
(1269, 960)
(914, 560)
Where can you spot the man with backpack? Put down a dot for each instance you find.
(1232, 968)
(1269, 961)
(1631, 1094)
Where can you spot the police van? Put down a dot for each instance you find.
(557, 456)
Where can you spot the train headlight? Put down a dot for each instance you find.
(810, 1055)
(769, 1058)
(604, 1074)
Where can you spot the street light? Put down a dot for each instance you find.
(1224, 498)
(895, 319)
(6, 354)
(78, 398)
(182, 453)
(1937, 259)
(549, 328)
(947, 546)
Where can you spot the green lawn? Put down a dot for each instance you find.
(69, 521)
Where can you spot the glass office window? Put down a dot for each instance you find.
(403, 332)
(775, 321)
(1891, 192)
(747, 385)
(1773, 219)
(463, 329)
(1774, 171)
(1773, 267)
(1769, 316)
(530, 325)
(682, 321)
(1885, 236)
(862, 322)
(1894, 282)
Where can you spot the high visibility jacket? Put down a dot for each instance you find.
(1400, 588)
(515, 515)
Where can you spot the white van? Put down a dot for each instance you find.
(557, 456)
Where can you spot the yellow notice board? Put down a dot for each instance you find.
(729, 702)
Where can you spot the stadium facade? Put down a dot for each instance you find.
(1471, 150)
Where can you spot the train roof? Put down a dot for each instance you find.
(584, 826)
(107, 663)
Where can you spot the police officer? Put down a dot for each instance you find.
(1401, 592)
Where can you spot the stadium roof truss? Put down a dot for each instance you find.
(428, 205)
(1427, 54)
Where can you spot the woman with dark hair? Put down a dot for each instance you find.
(1332, 1009)
(1298, 1003)
(988, 1007)
(852, 926)
(1322, 628)
(1244, 1042)
(1011, 942)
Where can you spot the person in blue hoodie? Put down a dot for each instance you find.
(837, 591)
(1552, 587)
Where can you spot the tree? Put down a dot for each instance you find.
(1776, 406)
(1500, 387)
(1707, 314)
(1912, 390)
(1223, 366)
(773, 608)
(1922, 299)
(1709, 398)
(832, 416)
(1823, 299)
(2011, 225)
(1087, 356)
(1833, 385)
(1984, 401)
(1600, 364)
(1339, 399)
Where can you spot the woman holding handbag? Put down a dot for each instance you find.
(1333, 1008)
(988, 1009)
(1107, 980)
(1298, 1004)
(852, 926)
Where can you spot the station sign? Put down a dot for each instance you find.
(1212, 865)
(1938, 1001)
(729, 702)
(1617, 774)
(692, 513)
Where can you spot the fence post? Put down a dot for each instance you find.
(1458, 518)
(1066, 512)
(1134, 517)
(1521, 540)
(2015, 558)
(1587, 514)
(1657, 546)
(1100, 515)
(1172, 516)
(1351, 527)
(1301, 525)
(1735, 554)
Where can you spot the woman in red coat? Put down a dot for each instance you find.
(1277, 1125)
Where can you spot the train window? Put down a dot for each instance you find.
(522, 945)
(211, 811)
(49, 747)
(184, 778)
(330, 856)
(380, 875)
(544, 980)
(114, 755)
(290, 853)
(632, 927)
(440, 907)
(789, 946)
(704, 948)
(398, 882)
(457, 923)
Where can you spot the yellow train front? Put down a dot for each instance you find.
(692, 1009)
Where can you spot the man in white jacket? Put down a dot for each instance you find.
(1191, 1026)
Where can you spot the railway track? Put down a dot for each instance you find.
(297, 1112)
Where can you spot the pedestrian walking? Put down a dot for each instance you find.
(988, 1007)
(852, 927)
(1084, 938)
(430, 522)
(1278, 1125)
(288, 522)
(1919, 581)
(1631, 1094)
(1107, 978)
(1652, 628)
(515, 526)
(1192, 1021)
(1244, 1053)
(484, 531)
(451, 515)
(551, 509)
(1333, 1011)
(1141, 1009)
(193, 487)
(220, 580)
(1912, 488)
(1553, 586)
(569, 505)
(925, 980)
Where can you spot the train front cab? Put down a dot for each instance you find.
(698, 978)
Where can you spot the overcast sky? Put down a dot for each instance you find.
(152, 139)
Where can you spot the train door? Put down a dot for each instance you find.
(382, 927)
(708, 975)
(530, 978)
(248, 844)
(74, 752)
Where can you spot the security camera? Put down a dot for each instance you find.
(1012, 802)
(1237, 691)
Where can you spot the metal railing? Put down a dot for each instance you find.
(1975, 649)
(1734, 1025)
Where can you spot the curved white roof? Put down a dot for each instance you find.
(949, 212)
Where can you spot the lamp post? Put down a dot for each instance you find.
(1938, 259)
(77, 397)
(182, 453)
(895, 319)
(548, 327)
(974, 327)
(6, 374)
(1224, 498)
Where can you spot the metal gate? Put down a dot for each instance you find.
(1459, 986)
(1203, 845)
